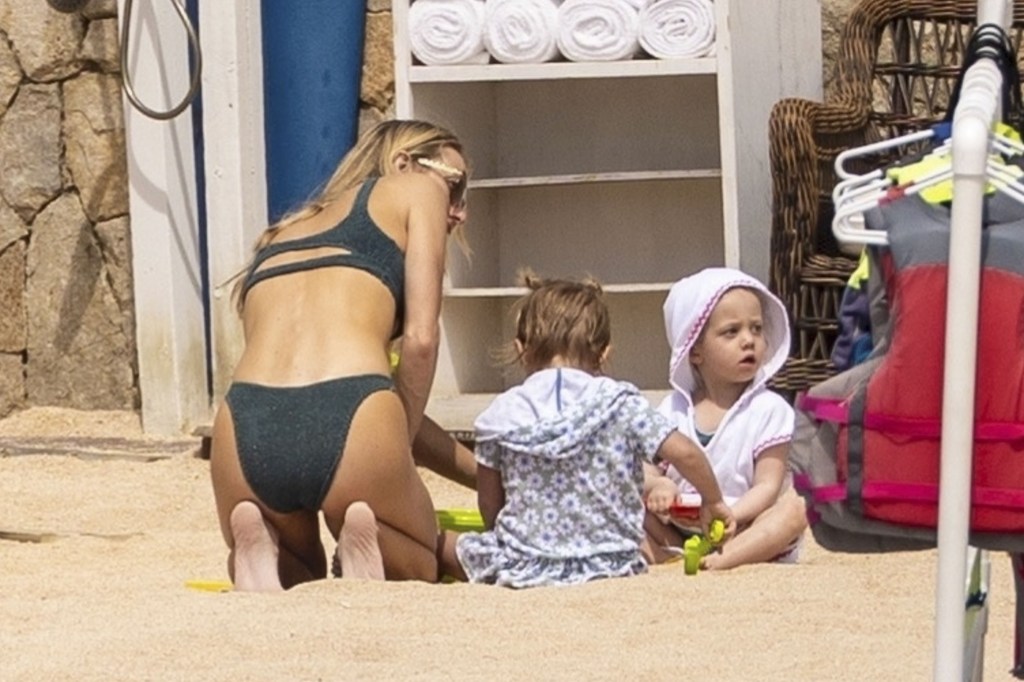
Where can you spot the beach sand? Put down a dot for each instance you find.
(101, 528)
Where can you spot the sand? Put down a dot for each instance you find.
(101, 528)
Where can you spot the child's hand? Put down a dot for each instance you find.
(721, 511)
(661, 496)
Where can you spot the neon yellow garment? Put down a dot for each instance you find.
(932, 164)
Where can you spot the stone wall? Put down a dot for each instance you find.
(66, 326)
(833, 14)
(67, 333)
(377, 93)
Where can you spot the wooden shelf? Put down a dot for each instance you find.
(516, 292)
(562, 70)
(586, 178)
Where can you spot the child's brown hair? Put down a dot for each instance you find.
(562, 317)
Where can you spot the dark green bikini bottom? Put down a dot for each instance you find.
(290, 438)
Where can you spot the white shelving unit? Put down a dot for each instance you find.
(637, 172)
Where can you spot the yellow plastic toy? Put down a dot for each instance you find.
(209, 585)
(697, 546)
(460, 520)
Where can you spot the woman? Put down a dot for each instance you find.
(313, 420)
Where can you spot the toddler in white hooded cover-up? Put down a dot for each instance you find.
(729, 335)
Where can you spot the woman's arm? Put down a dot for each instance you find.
(427, 226)
(490, 494)
(769, 473)
(434, 449)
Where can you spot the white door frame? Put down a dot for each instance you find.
(236, 178)
(169, 295)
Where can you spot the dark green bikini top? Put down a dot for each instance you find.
(367, 248)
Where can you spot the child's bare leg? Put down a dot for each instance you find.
(255, 553)
(447, 558)
(358, 549)
(767, 537)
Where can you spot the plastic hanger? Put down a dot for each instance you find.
(931, 173)
(847, 224)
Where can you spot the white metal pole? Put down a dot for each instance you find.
(972, 121)
(998, 12)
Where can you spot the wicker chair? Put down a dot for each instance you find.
(898, 62)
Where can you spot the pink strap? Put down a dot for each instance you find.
(829, 493)
(932, 428)
(916, 492)
(909, 492)
(821, 494)
(836, 410)
(825, 409)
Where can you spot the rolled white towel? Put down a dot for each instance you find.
(598, 30)
(522, 31)
(677, 29)
(445, 32)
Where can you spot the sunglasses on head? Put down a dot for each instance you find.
(456, 179)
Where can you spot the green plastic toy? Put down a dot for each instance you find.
(461, 520)
(697, 546)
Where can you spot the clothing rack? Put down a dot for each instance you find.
(960, 623)
(976, 113)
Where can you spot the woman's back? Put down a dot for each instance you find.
(325, 295)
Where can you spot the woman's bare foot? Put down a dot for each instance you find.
(255, 553)
(358, 551)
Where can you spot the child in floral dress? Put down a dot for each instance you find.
(560, 471)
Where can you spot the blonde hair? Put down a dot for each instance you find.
(562, 317)
(372, 156)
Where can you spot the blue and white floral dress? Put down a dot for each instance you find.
(569, 447)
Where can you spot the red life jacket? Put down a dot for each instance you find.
(887, 449)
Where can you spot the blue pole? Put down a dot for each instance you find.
(312, 66)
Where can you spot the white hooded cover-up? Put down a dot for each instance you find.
(569, 447)
(760, 419)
